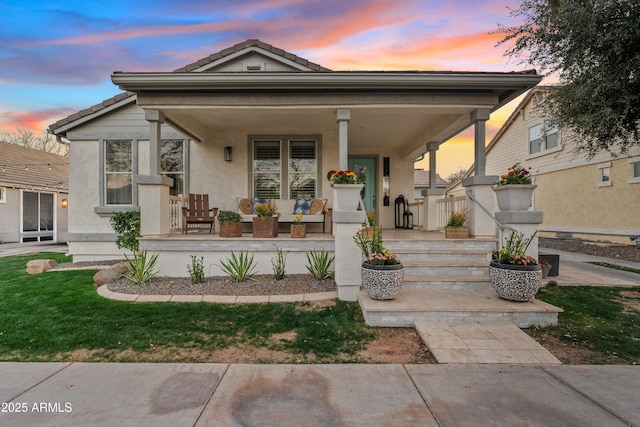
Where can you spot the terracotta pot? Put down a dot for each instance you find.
(382, 282)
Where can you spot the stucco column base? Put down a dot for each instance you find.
(479, 222)
(348, 257)
(526, 222)
(153, 199)
(431, 210)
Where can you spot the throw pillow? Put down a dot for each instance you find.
(317, 206)
(302, 206)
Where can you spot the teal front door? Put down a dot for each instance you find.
(369, 196)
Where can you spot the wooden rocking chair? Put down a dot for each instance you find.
(199, 212)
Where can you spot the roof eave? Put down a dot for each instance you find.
(338, 80)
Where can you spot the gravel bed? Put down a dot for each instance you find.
(264, 285)
(615, 252)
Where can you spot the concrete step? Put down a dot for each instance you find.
(440, 255)
(445, 305)
(445, 282)
(451, 269)
(451, 244)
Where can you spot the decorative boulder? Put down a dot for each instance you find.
(110, 274)
(38, 266)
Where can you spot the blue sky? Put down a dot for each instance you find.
(57, 57)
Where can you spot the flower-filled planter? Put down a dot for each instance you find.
(514, 275)
(265, 225)
(382, 282)
(455, 228)
(347, 187)
(381, 272)
(515, 282)
(514, 190)
(299, 231)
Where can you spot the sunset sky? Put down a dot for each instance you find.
(57, 57)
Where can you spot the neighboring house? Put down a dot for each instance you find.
(595, 200)
(421, 182)
(33, 195)
(257, 121)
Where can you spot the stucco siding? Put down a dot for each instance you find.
(10, 217)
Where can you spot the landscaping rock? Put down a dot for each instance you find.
(38, 266)
(109, 275)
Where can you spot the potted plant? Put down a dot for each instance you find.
(298, 229)
(347, 185)
(546, 267)
(230, 224)
(514, 275)
(456, 228)
(514, 190)
(381, 271)
(265, 225)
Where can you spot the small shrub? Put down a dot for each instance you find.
(127, 228)
(318, 263)
(143, 269)
(278, 264)
(457, 219)
(229, 216)
(240, 267)
(196, 269)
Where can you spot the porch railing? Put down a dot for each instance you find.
(175, 213)
(448, 205)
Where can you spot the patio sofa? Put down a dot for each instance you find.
(313, 210)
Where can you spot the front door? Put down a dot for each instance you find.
(369, 191)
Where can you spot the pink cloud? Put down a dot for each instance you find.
(36, 120)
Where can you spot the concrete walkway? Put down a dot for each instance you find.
(115, 394)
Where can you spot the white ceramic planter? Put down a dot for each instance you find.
(346, 197)
(514, 197)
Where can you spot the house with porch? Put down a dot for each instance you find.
(255, 121)
(582, 198)
(33, 195)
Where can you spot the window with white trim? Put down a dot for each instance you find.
(118, 159)
(172, 159)
(3, 195)
(635, 170)
(543, 137)
(273, 178)
(605, 175)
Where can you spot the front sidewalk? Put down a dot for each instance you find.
(117, 394)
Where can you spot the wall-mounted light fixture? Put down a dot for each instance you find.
(65, 203)
(227, 154)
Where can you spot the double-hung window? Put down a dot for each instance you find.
(118, 172)
(172, 160)
(284, 167)
(3, 195)
(543, 137)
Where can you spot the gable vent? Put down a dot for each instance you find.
(255, 67)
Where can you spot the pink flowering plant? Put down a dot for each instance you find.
(517, 174)
(513, 252)
(370, 243)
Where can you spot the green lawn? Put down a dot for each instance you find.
(597, 319)
(48, 316)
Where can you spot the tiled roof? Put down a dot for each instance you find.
(247, 44)
(25, 167)
(421, 179)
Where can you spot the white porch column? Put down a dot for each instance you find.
(153, 189)
(348, 257)
(343, 115)
(432, 194)
(479, 185)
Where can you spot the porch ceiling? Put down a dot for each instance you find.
(408, 128)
